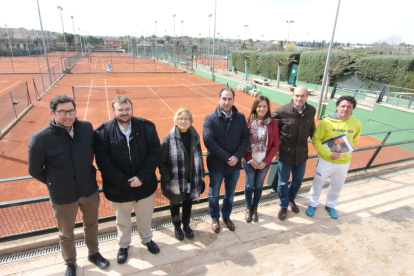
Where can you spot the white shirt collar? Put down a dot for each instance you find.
(71, 132)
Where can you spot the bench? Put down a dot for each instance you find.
(291, 88)
(264, 82)
(310, 91)
(226, 72)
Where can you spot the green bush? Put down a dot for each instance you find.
(263, 63)
(393, 70)
(311, 68)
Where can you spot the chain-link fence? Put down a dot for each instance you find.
(42, 82)
(12, 106)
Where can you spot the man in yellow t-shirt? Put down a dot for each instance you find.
(333, 164)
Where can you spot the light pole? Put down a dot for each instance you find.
(44, 43)
(214, 38)
(11, 57)
(182, 33)
(174, 43)
(156, 40)
(74, 33)
(208, 43)
(8, 36)
(80, 38)
(290, 23)
(245, 35)
(64, 36)
(327, 65)
(25, 38)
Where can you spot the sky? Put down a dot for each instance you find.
(359, 21)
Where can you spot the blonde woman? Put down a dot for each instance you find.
(182, 171)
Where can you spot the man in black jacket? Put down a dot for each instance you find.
(226, 138)
(127, 152)
(61, 156)
(296, 125)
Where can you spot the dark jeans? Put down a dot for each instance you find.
(230, 182)
(175, 213)
(288, 190)
(254, 184)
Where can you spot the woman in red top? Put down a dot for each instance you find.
(264, 143)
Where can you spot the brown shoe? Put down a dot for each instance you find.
(294, 207)
(229, 224)
(282, 214)
(215, 225)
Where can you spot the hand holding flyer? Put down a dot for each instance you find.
(339, 144)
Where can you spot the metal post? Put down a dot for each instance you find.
(44, 42)
(74, 33)
(318, 111)
(208, 43)
(11, 49)
(25, 38)
(290, 23)
(377, 151)
(156, 40)
(64, 36)
(73, 93)
(214, 38)
(333, 91)
(80, 39)
(11, 98)
(175, 58)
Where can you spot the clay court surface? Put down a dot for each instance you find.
(27, 64)
(122, 64)
(164, 94)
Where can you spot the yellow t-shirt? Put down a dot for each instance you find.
(331, 127)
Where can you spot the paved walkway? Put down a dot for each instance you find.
(373, 236)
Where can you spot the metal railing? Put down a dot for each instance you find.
(371, 97)
(13, 106)
(33, 216)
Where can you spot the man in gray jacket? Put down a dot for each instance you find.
(61, 156)
(296, 125)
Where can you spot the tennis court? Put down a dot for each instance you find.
(27, 64)
(155, 96)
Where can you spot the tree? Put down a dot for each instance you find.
(290, 47)
(246, 59)
(343, 64)
(280, 62)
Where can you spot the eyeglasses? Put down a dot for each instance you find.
(184, 119)
(64, 112)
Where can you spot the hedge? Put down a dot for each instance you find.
(260, 64)
(311, 68)
(393, 70)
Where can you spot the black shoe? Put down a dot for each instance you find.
(294, 207)
(282, 213)
(188, 232)
(122, 256)
(152, 247)
(98, 260)
(179, 235)
(71, 270)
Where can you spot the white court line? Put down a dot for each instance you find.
(95, 64)
(107, 102)
(169, 118)
(161, 100)
(10, 86)
(210, 92)
(87, 103)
